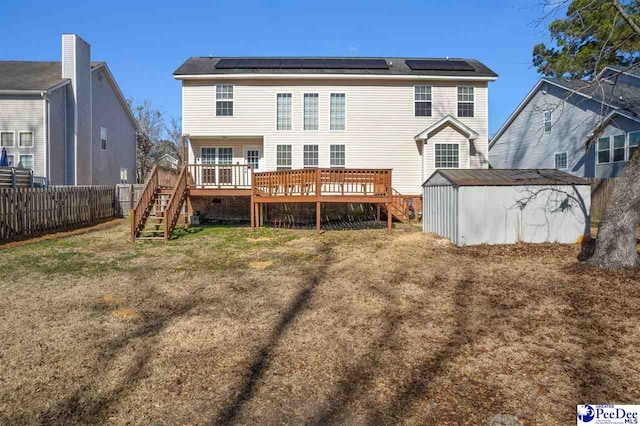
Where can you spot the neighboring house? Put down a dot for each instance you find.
(550, 127)
(166, 154)
(67, 121)
(410, 115)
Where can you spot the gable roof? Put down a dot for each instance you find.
(504, 177)
(622, 98)
(32, 75)
(451, 121)
(204, 66)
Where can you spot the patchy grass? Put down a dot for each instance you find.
(224, 325)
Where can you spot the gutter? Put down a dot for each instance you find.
(46, 118)
(329, 77)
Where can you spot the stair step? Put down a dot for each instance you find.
(149, 238)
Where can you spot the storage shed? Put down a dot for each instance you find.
(482, 206)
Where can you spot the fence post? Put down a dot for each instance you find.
(13, 177)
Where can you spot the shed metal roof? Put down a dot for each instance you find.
(503, 177)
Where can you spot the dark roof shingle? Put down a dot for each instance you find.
(508, 177)
(31, 75)
(618, 95)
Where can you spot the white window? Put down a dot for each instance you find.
(337, 156)
(634, 141)
(225, 155)
(310, 156)
(619, 148)
(283, 111)
(561, 160)
(337, 111)
(422, 101)
(103, 138)
(447, 155)
(25, 139)
(11, 160)
(7, 139)
(604, 151)
(124, 175)
(252, 157)
(466, 101)
(547, 121)
(310, 111)
(283, 157)
(26, 161)
(224, 100)
(208, 155)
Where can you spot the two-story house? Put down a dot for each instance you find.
(68, 121)
(410, 115)
(550, 127)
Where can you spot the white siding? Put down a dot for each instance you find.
(380, 122)
(25, 113)
(447, 135)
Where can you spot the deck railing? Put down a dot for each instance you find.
(318, 182)
(160, 176)
(220, 176)
(174, 205)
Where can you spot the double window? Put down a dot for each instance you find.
(613, 149)
(547, 121)
(310, 111)
(447, 155)
(561, 161)
(422, 101)
(283, 111)
(337, 111)
(310, 157)
(103, 138)
(337, 156)
(466, 101)
(224, 100)
(283, 157)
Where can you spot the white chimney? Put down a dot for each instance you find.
(76, 66)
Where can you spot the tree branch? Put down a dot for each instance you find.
(626, 16)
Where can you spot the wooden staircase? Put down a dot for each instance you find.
(400, 207)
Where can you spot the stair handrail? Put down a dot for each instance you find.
(137, 212)
(174, 205)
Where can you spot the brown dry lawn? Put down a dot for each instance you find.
(229, 326)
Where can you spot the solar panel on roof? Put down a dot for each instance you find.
(438, 65)
(334, 63)
(270, 63)
(376, 64)
(248, 63)
(227, 63)
(355, 64)
(462, 66)
(312, 63)
(291, 63)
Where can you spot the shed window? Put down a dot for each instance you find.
(619, 147)
(283, 111)
(337, 156)
(7, 139)
(224, 100)
(447, 155)
(634, 141)
(603, 150)
(310, 111)
(283, 157)
(466, 101)
(547, 121)
(422, 101)
(310, 156)
(561, 160)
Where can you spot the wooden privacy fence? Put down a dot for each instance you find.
(30, 211)
(601, 192)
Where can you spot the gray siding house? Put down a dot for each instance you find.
(68, 121)
(551, 125)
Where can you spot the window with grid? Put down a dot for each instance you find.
(338, 105)
(26, 161)
(310, 157)
(422, 101)
(310, 111)
(619, 147)
(253, 157)
(283, 157)
(447, 155)
(25, 140)
(225, 156)
(208, 155)
(224, 100)
(103, 138)
(561, 160)
(7, 139)
(604, 152)
(634, 141)
(283, 111)
(466, 101)
(547, 121)
(337, 156)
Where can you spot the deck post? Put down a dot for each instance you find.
(251, 213)
(378, 212)
(318, 217)
(389, 202)
(132, 217)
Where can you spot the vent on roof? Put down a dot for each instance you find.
(438, 65)
(302, 63)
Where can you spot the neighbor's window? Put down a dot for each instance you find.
(283, 111)
(634, 141)
(466, 101)
(337, 157)
(547, 121)
(224, 100)
(11, 160)
(310, 156)
(310, 111)
(337, 113)
(619, 147)
(103, 138)
(283, 157)
(26, 161)
(604, 152)
(124, 178)
(422, 101)
(447, 155)
(7, 139)
(561, 160)
(25, 140)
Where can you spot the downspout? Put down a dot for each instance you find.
(46, 118)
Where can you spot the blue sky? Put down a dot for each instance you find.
(144, 41)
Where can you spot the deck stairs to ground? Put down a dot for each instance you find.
(400, 207)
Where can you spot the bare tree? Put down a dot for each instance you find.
(152, 127)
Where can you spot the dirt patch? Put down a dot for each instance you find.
(262, 265)
(258, 240)
(125, 313)
(111, 299)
